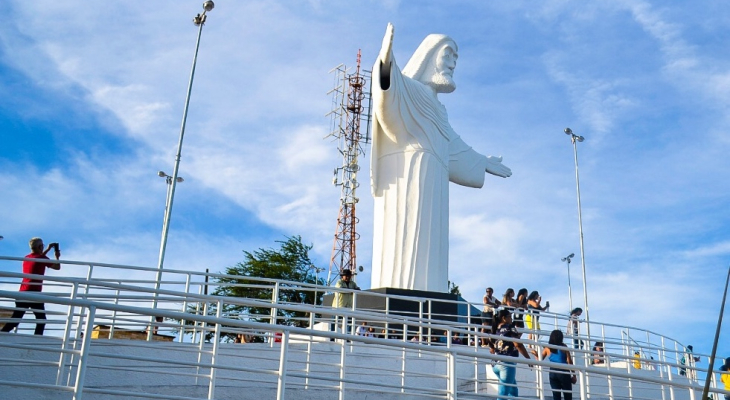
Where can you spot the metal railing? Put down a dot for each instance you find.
(299, 346)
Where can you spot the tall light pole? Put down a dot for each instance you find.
(199, 21)
(577, 138)
(706, 389)
(570, 291)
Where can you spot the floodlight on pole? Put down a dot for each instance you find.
(574, 139)
(168, 181)
(570, 291)
(199, 21)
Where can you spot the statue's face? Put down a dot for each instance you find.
(446, 61)
(443, 65)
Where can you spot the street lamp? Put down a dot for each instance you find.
(199, 21)
(168, 180)
(570, 291)
(577, 138)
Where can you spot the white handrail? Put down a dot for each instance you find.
(125, 305)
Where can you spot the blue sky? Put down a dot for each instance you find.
(93, 92)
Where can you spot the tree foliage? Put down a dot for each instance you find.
(290, 262)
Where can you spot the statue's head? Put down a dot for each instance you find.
(433, 63)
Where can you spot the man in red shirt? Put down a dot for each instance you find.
(34, 285)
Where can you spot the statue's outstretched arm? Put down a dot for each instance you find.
(495, 167)
(385, 57)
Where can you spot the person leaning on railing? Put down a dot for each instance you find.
(598, 356)
(574, 326)
(34, 285)
(344, 300)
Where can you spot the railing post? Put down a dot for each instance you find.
(420, 318)
(353, 325)
(387, 314)
(114, 313)
(274, 309)
(66, 333)
(83, 357)
(403, 363)
(281, 380)
(197, 312)
(450, 375)
(79, 325)
(213, 359)
(669, 372)
(343, 354)
(428, 313)
(201, 343)
(309, 351)
(540, 382)
(181, 335)
(583, 390)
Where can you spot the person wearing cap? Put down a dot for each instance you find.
(343, 299)
(688, 360)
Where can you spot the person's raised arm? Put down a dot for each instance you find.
(50, 246)
(57, 254)
(385, 57)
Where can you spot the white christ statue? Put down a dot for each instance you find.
(415, 153)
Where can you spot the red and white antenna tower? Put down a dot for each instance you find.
(350, 111)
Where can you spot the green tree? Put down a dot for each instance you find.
(290, 262)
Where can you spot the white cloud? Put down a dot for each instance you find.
(714, 249)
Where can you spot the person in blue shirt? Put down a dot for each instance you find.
(561, 379)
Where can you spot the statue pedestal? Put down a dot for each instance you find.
(436, 306)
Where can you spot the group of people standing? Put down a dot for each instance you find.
(526, 309)
(497, 318)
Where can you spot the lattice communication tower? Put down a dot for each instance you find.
(351, 104)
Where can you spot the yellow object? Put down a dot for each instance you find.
(637, 362)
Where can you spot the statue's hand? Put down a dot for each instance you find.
(386, 49)
(495, 167)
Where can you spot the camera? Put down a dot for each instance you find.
(56, 249)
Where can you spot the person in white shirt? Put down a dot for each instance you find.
(490, 303)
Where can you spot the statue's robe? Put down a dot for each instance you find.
(415, 153)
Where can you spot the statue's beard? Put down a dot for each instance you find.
(442, 83)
